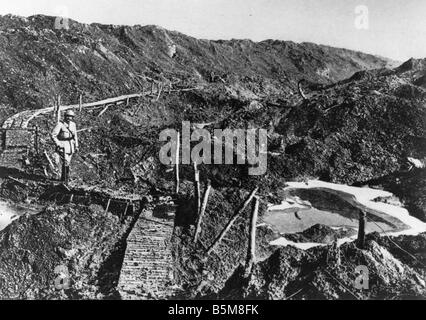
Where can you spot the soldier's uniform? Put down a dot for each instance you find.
(65, 137)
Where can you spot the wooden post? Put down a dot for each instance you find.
(55, 111)
(251, 251)
(36, 140)
(197, 188)
(125, 210)
(361, 230)
(103, 110)
(58, 109)
(202, 211)
(152, 87)
(160, 89)
(232, 220)
(177, 163)
(45, 172)
(299, 87)
(107, 206)
(80, 103)
(52, 167)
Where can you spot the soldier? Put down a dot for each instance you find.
(65, 137)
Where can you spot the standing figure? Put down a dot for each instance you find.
(65, 137)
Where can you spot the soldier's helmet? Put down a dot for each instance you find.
(70, 113)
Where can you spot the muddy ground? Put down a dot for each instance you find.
(356, 129)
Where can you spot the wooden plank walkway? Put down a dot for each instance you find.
(147, 271)
(14, 157)
(22, 119)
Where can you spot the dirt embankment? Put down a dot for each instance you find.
(86, 241)
(331, 272)
(202, 275)
(396, 266)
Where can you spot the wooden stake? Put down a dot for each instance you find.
(125, 211)
(55, 110)
(232, 220)
(45, 172)
(107, 206)
(202, 211)
(299, 87)
(361, 230)
(177, 163)
(251, 251)
(197, 188)
(36, 140)
(160, 89)
(103, 110)
(58, 109)
(84, 129)
(17, 181)
(50, 161)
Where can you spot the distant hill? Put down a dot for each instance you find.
(97, 60)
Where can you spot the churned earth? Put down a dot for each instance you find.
(361, 119)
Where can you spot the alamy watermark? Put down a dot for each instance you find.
(362, 17)
(363, 277)
(62, 281)
(62, 20)
(243, 146)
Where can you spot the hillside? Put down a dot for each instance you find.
(38, 61)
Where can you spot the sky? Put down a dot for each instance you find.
(390, 28)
